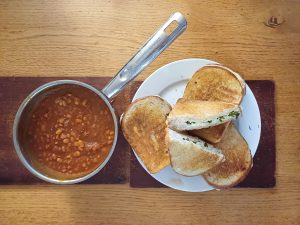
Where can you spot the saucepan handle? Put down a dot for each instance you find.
(159, 41)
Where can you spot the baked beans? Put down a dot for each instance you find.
(71, 131)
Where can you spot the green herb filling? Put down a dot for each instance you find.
(233, 113)
(221, 118)
(187, 139)
(190, 122)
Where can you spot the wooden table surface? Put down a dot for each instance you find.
(259, 39)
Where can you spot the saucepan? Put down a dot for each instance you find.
(157, 43)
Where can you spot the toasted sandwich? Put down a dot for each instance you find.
(215, 83)
(144, 127)
(238, 161)
(198, 114)
(189, 155)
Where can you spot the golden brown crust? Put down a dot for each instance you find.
(143, 125)
(215, 83)
(238, 77)
(237, 164)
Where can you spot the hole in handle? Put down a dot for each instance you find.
(172, 26)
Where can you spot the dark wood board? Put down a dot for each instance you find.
(123, 166)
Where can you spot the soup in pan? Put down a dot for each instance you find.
(70, 131)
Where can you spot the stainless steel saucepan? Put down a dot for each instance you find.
(159, 41)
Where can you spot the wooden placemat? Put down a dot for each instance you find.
(123, 163)
(262, 174)
(12, 93)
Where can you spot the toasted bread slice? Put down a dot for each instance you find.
(238, 161)
(143, 125)
(215, 83)
(191, 156)
(197, 114)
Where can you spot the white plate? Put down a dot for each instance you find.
(169, 83)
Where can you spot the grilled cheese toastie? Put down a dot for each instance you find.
(144, 127)
(191, 156)
(215, 83)
(197, 114)
(238, 161)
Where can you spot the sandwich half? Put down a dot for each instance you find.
(144, 127)
(238, 161)
(197, 114)
(191, 156)
(215, 83)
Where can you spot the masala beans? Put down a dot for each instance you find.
(71, 131)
